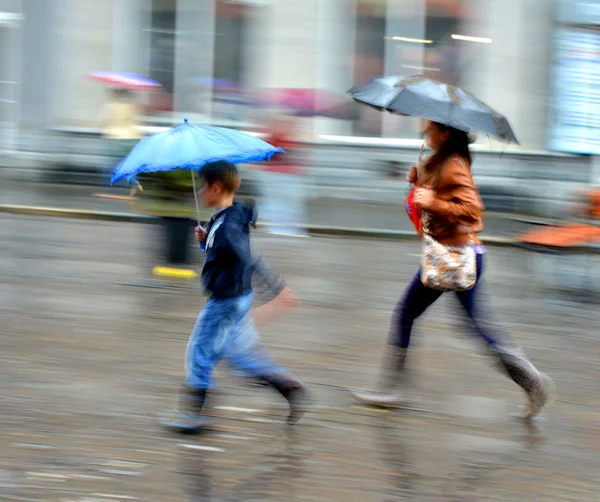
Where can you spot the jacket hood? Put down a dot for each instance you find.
(244, 213)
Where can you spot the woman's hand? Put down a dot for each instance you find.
(424, 197)
(412, 175)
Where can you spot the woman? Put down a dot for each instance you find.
(452, 214)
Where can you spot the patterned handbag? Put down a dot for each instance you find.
(447, 268)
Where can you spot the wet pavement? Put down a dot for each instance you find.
(92, 348)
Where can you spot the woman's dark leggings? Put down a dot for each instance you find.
(417, 298)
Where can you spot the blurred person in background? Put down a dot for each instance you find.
(452, 214)
(120, 130)
(282, 204)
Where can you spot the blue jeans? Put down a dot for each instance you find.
(225, 329)
(417, 298)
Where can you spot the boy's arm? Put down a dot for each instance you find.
(269, 277)
(282, 297)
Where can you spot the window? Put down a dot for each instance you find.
(426, 37)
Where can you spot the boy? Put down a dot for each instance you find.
(224, 327)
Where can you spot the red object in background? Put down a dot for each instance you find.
(307, 102)
(413, 212)
(159, 102)
(282, 162)
(594, 203)
(566, 236)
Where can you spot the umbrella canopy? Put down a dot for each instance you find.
(307, 102)
(130, 81)
(419, 96)
(190, 147)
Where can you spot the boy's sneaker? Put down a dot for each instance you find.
(185, 423)
(294, 392)
(299, 401)
(188, 419)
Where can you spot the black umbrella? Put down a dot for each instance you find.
(418, 96)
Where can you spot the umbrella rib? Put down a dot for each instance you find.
(453, 95)
(455, 98)
(499, 119)
(415, 79)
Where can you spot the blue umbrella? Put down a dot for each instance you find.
(189, 146)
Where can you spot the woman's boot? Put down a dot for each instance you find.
(538, 386)
(388, 392)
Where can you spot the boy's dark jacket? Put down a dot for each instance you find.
(228, 265)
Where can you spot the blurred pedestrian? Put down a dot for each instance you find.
(282, 204)
(224, 327)
(452, 215)
(120, 131)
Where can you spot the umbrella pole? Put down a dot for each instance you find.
(195, 197)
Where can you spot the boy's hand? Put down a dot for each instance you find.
(288, 299)
(200, 234)
(284, 301)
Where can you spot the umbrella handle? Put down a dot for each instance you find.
(195, 196)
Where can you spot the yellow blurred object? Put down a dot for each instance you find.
(175, 273)
(367, 408)
(120, 121)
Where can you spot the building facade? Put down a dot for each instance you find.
(500, 50)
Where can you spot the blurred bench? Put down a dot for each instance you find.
(564, 237)
(570, 238)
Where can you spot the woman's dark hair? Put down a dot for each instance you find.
(457, 144)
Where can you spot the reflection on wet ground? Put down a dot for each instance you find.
(91, 354)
